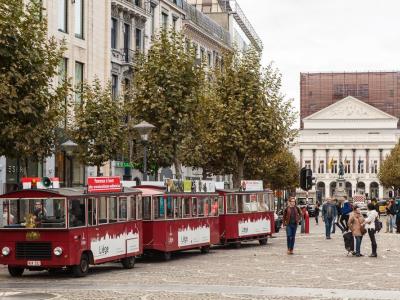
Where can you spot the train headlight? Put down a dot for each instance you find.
(5, 251)
(57, 251)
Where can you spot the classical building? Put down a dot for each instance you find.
(351, 132)
(380, 89)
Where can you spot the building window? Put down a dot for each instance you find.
(360, 168)
(78, 82)
(321, 168)
(62, 7)
(374, 166)
(62, 70)
(138, 35)
(209, 60)
(334, 166)
(127, 31)
(202, 56)
(114, 24)
(153, 18)
(79, 8)
(114, 86)
(174, 22)
(347, 167)
(164, 17)
(138, 3)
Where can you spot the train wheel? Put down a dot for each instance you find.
(128, 262)
(82, 269)
(167, 256)
(205, 249)
(15, 271)
(263, 241)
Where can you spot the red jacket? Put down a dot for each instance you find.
(286, 215)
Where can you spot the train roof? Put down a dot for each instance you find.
(231, 191)
(65, 192)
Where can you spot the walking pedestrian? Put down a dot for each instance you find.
(369, 224)
(390, 212)
(329, 213)
(316, 213)
(355, 225)
(346, 210)
(291, 218)
(337, 217)
(397, 210)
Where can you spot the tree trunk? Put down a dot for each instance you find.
(204, 174)
(238, 174)
(98, 170)
(178, 170)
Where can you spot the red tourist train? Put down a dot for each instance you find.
(246, 214)
(49, 229)
(176, 220)
(70, 227)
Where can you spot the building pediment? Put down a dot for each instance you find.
(350, 108)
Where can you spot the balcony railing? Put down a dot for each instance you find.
(206, 23)
(142, 9)
(124, 55)
(231, 6)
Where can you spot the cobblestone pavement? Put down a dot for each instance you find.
(320, 269)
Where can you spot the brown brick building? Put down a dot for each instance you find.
(319, 90)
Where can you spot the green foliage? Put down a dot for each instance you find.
(31, 106)
(98, 127)
(389, 172)
(165, 93)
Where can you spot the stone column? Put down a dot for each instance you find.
(340, 156)
(301, 158)
(313, 160)
(380, 157)
(326, 160)
(366, 160)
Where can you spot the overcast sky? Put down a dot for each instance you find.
(326, 35)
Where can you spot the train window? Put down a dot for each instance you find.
(253, 202)
(139, 206)
(122, 209)
(76, 213)
(132, 208)
(169, 207)
(207, 206)
(178, 208)
(240, 200)
(146, 208)
(92, 211)
(112, 209)
(194, 207)
(262, 206)
(103, 210)
(186, 206)
(158, 208)
(200, 207)
(269, 200)
(220, 204)
(232, 204)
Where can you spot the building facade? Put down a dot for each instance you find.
(350, 132)
(379, 89)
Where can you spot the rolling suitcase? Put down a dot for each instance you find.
(348, 241)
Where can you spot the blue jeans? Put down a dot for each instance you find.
(358, 244)
(291, 235)
(328, 226)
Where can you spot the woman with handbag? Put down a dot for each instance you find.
(355, 225)
(369, 224)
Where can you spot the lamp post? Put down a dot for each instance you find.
(69, 148)
(144, 128)
(357, 179)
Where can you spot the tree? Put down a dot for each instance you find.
(255, 119)
(279, 171)
(166, 84)
(31, 105)
(389, 172)
(97, 128)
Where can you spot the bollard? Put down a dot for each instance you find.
(307, 222)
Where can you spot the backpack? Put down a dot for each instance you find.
(378, 225)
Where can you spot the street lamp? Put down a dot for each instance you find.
(69, 148)
(357, 179)
(144, 128)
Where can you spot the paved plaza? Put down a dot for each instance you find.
(319, 269)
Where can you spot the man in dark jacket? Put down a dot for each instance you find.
(329, 213)
(291, 218)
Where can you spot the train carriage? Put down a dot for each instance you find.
(70, 227)
(246, 214)
(176, 221)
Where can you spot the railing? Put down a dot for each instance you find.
(123, 55)
(143, 8)
(231, 6)
(206, 23)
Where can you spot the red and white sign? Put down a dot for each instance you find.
(252, 185)
(29, 182)
(104, 184)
